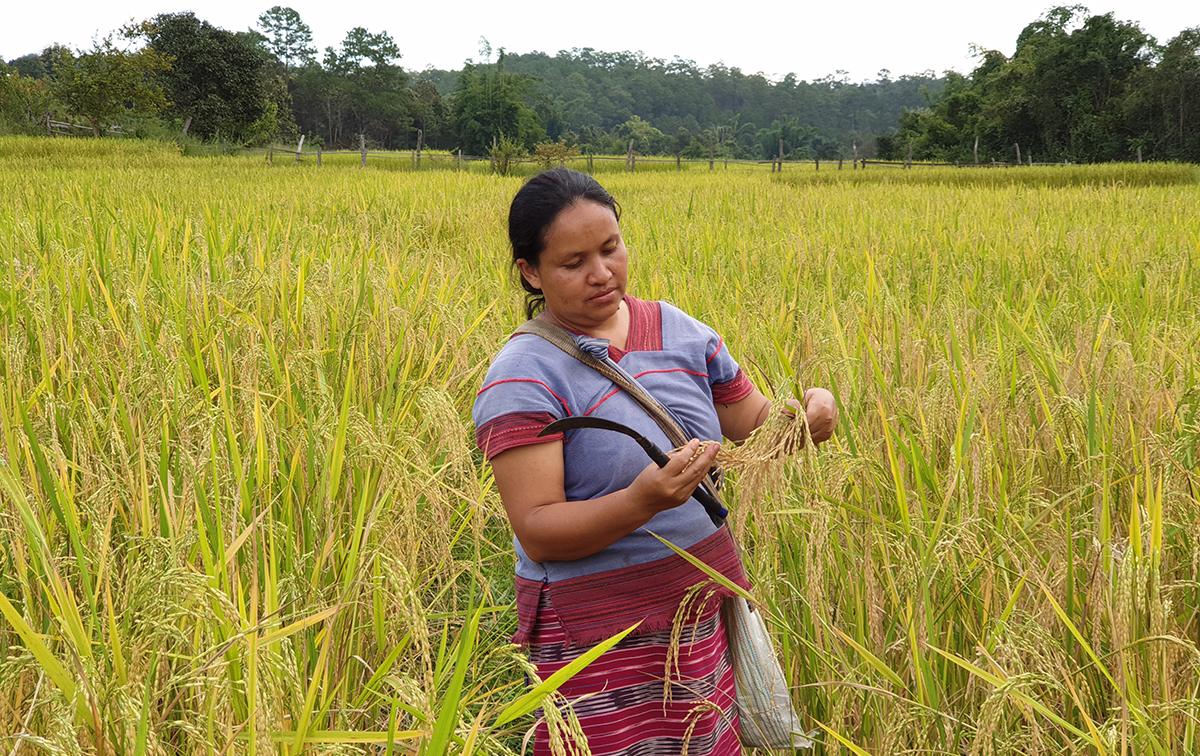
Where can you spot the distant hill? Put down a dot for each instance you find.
(585, 91)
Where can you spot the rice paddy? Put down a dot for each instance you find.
(242, 511)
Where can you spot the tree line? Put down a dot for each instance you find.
(1078, 87)
(177, 72)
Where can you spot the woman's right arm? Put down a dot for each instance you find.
(552, 529)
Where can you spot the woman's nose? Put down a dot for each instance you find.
(599, 273)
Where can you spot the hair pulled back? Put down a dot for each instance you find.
(534, 209)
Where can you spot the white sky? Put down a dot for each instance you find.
(774, 37)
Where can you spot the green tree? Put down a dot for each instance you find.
(647, 140)
(217, 78)
(799, 141)
(107, 82)
(429, 111)
(1164, 106)
(1065, 94)
(360, 48)
(287, 37)
(29, 66)
(50, 57)
(489, 103)
(17, 94)
(359, 90)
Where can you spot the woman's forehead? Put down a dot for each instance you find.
(582, 223)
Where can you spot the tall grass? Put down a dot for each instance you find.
(242, 511)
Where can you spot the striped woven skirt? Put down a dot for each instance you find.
(623, 702)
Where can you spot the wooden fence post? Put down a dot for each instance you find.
(1018, 152)
(460, 158)
(299, 148)
(319, 155)
(710, 152)
(976, 149)
(629, 157)
(420, 139)
(493, 153)
(839, 162)
(908, 165)
(590, 162)
(1139, 153)
(362, 151)
(186, 124)
(817, 162)
(679, 163)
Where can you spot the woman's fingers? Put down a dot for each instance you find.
(673, 484)
(821, 414)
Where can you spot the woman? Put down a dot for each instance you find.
(584, 506)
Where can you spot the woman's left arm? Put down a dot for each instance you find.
(741, 418)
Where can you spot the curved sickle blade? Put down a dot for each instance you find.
(716, 512)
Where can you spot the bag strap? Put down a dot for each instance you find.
(560, 338)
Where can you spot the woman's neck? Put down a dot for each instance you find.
(615, 329)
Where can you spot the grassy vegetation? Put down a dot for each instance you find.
(242, 512)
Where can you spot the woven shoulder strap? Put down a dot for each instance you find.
(564, 341)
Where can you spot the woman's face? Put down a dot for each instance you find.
(584, 267)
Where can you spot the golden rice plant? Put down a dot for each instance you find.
(242, 510)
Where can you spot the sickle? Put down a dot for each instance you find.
(716, 512)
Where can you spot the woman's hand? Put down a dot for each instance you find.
(740, 419)
(821, 413)
(530, 482)
(667, 487)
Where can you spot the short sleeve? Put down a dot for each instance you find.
(725, 377)
(510, 411)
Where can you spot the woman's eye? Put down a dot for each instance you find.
(574, 265)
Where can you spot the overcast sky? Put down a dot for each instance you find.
(769, 36)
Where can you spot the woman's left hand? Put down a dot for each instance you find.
(821, 413)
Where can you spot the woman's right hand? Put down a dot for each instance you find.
(530, 482)
(661, 488)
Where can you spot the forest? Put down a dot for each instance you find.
(1078, 88)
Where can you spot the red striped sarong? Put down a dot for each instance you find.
(619, 698)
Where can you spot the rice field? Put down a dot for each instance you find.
(242, 511)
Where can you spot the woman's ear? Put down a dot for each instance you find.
(529, 273)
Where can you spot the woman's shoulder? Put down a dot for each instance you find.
(681, 327)
(527, 353)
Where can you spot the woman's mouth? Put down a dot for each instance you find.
(604, 297)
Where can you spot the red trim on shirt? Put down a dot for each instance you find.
(645, 326)
(514, 429)
(527, 380)
(603, 399)
(734, 390)
(671, 370)
(720, 343)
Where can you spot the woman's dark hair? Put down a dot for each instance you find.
(536, 206)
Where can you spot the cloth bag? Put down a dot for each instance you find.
(764, 702)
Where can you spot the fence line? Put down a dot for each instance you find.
(63, 128)
(415, 157)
